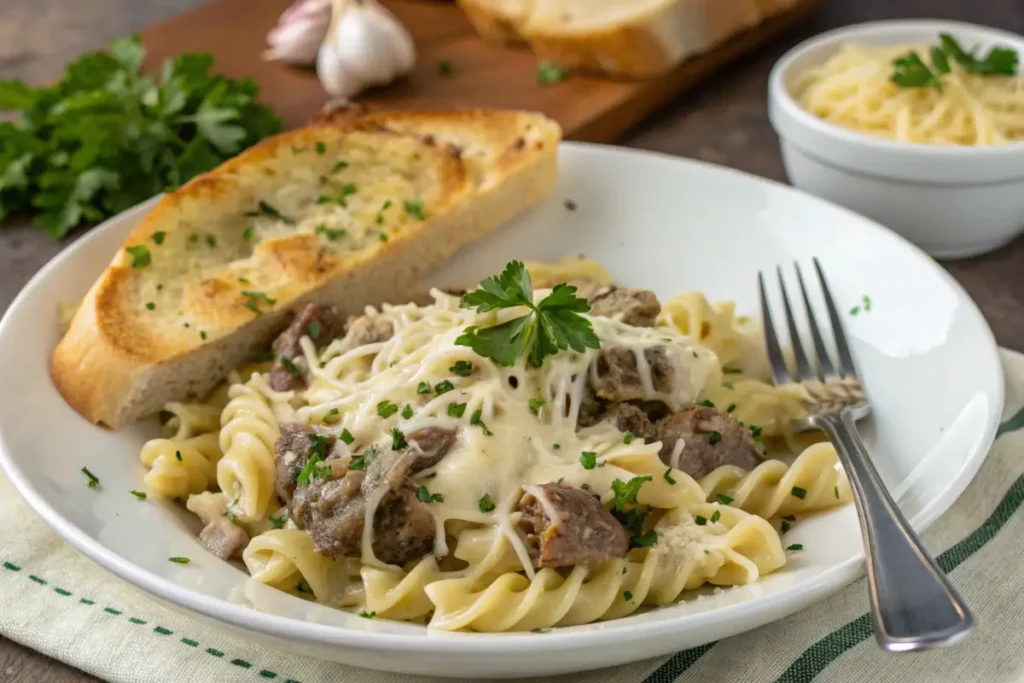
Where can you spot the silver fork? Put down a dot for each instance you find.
(913, 605)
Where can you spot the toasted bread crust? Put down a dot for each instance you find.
(123, 358)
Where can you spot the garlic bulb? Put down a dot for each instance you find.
(365, 46)
(299, 32)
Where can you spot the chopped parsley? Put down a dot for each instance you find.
(289, 365)
(475, 420)
(211, 240)
(486, 504)
(443, 387)
(177, 455)
(536, 404)
(158, 237)
(795, 546)
(732, 407)
(279, 520)
(367, 615)
(321, 147)
(445, 67)
(549, 73)
(668, 476)
(179, 560)
(456, 409)
(314, 470)
(755, 431)
(141, 495)
(798, 492)
(714, 437)
(569, 205)
(346, 436)
(836, 491)
(425, 496)
(723, 499)
(626, 491)
(588, 459)
(414, 208)
(193, 238)
(303, 586)
(407, 412)
(627, 438)
(556, 446)
(627, 596)
(716, 516)
(462, 368)
(202, 334)
(247, 234)
(733, 371)
(706, 403)
(314, 329)
(331, 234)
(360, 461)
(784, 526)
(94, 481)
(150, 306)
(140, 255)
(423, 388)
(386, 409)
(339, 166)
(382, 237)
(701, 520)
(552, 325)
(398, 441)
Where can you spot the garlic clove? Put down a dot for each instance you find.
(299, 31)
(404, 50)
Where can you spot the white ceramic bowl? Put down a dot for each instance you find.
(953, 202)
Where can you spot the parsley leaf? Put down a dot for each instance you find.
(486, 504)
(425, 496)
(106, 135)
(626, 491)
(314, 470)
(549, 73)
(550, 326)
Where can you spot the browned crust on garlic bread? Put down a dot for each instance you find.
(318, 214)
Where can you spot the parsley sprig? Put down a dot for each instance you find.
(553, 325)
(106, 136)
(911, 71)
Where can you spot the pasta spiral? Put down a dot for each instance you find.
(815, 481)
(178, 469)
(740, 548)
(248, 433)
(283, 558)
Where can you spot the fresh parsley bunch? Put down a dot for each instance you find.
(553, 325)
(106, 137)
(911, 71)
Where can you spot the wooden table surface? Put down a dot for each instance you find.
(723, 122)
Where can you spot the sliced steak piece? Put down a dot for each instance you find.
(591, 410)
(709, 439)
(628, 418)
(321, 324)
(615, 376)
(429, 446)
(224, 539)
(367, 329)
(637, 307)
(334, 511)
(565, 526)
(293, 450)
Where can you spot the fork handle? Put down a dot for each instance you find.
(913, 603)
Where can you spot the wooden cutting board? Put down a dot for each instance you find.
(588, 108)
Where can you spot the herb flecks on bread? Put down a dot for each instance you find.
(351, 214)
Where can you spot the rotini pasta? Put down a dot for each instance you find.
(403, 472)
(248, 433)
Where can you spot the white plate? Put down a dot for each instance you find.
(928, 358)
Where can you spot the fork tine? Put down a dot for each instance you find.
(803, 368)
(846, 366)
(824, 360)
(778, 362)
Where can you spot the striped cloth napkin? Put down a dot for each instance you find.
(55, 601)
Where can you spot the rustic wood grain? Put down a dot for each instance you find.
(588, 108)
(722, 121)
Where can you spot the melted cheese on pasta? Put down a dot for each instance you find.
(502, 445)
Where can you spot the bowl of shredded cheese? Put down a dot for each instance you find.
(918, 124)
